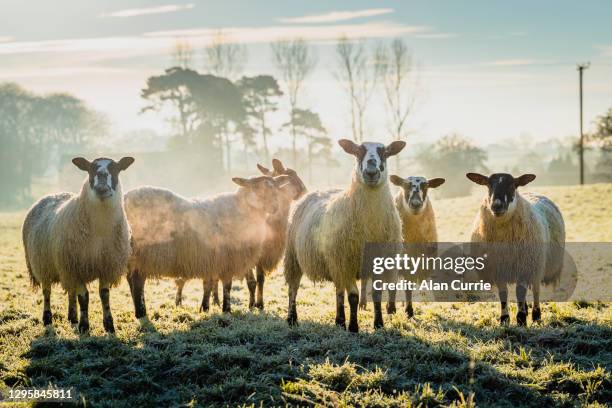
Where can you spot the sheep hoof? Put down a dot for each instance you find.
(391, 308)
(84, 327)
(363, 305)
(378, 323)
(292, 319)
(140, 313)
(178, 302)
(504, 320)
(72, 317)
(409, 311)
(536, 314)
(47, 317)
(216, 302)
(521, 318)
(353, 327)
(109, 325)
(341, 324)
(259, 305)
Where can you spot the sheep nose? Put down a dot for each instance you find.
(497, 206)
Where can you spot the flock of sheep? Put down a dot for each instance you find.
(100, 233)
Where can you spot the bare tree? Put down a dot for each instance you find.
(295, 60)
(396, 69)
(182, 54)
(357, 74)
(224, 58)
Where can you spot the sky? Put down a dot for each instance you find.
(489, 70)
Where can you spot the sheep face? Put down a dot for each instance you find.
(501, 197)
(371, 165)
(415, 191)
(103, 174)
(262, 192)
(295, 188)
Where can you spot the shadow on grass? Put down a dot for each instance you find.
(253, 358)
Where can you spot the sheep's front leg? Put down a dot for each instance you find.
(376, 300)
(261, 278)
(340, 317)
(502, 289)
(521, 298)
(107, 316)
(353, 298)
(536, 313)
(227, 290)
(83, 298)
(47, 316)
(72, 307)
(363, 298)
(409, 309)
(391, 309)
(180, 284)
(215, 292)
(252, 285)
(136, 280)
(207, 285)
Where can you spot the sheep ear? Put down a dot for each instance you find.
(281, 181)
(242, 182)
(524, 180)
(278, 166)
(478, 178)
(394, 148)
(125, 162)
(350, 147)
(435, 182)
(397, 180)
(82, 163)
(264, 170)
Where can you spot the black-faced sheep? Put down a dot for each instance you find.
(530, 223)
(418, 220)
(216, 238)
(328, 230)
(75, 239)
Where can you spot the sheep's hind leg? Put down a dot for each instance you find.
(391, 309)
(136, 281)
(207, 285)
(353, 298)
(536, 313)
(180, 284)
(363, 298)
(523, 311)
(47, 316)
(261, 278)
(215, 292)
(504, 319)
(227, 291)
(252, 285)
(72, 308)
(293, 276)
(340, 317)
(107, 316)
(83, 297)
(409, 309)
(378, 318)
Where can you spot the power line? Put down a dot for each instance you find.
(581, 68)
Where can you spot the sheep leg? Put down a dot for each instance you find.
(378, 318)
(178, 299)
(340, 317)
(207, 286)
(47, 316)
(293, 276)
(353, 298)
(252, 285)
(72, 308)
(261, 278)
(227, 290)
(215, 292)
(521, 315)
(107, 316)
(363, 299)
(503, 299)
(536, 313)
(83, 298)
(136, 281)
(409, 309)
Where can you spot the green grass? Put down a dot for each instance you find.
(449, 354)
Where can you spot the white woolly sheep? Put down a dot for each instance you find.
(216, 238)
(75, 239)
(328, 230)
(533, 225)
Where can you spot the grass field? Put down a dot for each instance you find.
(449, 354)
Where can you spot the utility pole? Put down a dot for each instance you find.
(581, 68)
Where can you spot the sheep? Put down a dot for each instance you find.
(216, 238)
(328, 229)
(533, 225)
(75, 239)
(418, 222)
(274, 245)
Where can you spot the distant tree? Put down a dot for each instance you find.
(224, 58)
(451, 157)
(182, 54)
(295, 60)
(307, 124)
(260, 95)
(602, 137)
(357, 74)
(397, 72)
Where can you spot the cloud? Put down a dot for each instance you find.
(335, 16)
(513, 62)
(5, 38)
(510, 34)
(168, 8)
(436, 35)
